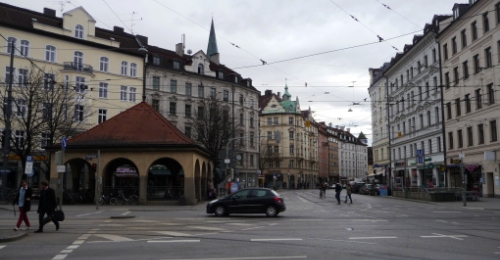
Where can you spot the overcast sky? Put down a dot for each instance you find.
(287, 34)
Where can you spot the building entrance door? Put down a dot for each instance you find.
(490, 185)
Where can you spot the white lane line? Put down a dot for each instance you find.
(78, 242)
(72, 247)
(497, 253)
(349, 228)
(88, 214)
(300, 198)
(346, 241)
(371, 237)
(59, 257)
(436, 235)
(66, 251)
(247, 258)
(85, 236)
(275, 239)
(111, 225)
(126, 213)
(253, 228)
(240, 224)
(114, 237)
(207, 228)
(2, 247)
(173, 241)
(371, 220)
(447, 212)
(144, 220)
(172, 233)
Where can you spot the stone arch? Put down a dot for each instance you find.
(78, 178)
(165, 179)
(121, 174)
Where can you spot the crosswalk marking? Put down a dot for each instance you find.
(171, 241)
(207, 228)
(114, 238)
(240, 224)
(59, 257)
(172, 233)
(111, 225)
(2, 247)
(275, 239)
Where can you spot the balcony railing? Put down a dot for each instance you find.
(78, 66)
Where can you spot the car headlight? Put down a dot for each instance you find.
(213, 201)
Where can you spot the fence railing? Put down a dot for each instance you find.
(165, 192)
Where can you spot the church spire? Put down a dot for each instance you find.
(286, 95)
(212, 42)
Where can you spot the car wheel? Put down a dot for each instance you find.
(271, 211)
(220, 211)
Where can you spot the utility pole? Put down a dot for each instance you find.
(8, 113)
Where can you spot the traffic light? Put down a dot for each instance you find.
(94, 166)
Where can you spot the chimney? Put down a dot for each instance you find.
(49, 12)
(215, 58)
(330, 125)
(268, 93)
(118, 29)
(348, 129)
(278, 94)
(142, 39)
(337, 126)
(179, 49)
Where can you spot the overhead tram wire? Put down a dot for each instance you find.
(116, 15)
(389, 8)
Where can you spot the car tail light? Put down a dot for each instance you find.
(277, 199)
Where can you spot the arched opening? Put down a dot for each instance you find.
(165, 180)
(292, 182)
(78, 182)
(121, 175)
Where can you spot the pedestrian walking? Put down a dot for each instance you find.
(46, 205)
(338, 189)
(348, 190)
(23, 201)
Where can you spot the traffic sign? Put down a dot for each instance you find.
(61, 168)
(430, 166)
(63, 143)
(420, 152)
(29, 164)
(420, 159)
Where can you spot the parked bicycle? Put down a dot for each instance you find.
(122, 199)
(72, 197)
(107, 199)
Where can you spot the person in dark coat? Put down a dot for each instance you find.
(47, 205)
(23, 200)
(338, 189)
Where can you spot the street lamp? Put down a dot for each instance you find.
(145, 51)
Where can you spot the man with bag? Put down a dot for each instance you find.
(46, 205)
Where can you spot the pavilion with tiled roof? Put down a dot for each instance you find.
(134, 146)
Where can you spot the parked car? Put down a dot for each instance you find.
(355, 186)
(368, 189)
(250, 200)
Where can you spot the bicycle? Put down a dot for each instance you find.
(107, 199)
(121, 199)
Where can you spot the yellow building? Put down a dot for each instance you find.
(102, 69)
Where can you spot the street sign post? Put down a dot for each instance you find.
(29, 165)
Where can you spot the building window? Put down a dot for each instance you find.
(44, 139)
(470, 136)
(465, 66)
(269, 135)
(187, 111)
(467, 103)
(454, 45)
(491, 94)
(497, 12)
(80, 85)
(438, 142)
(291, 134)
(124, 67)
(241, 119)
(493, 131)
(251, 122)
(275, 121)
(173, 109)
(156, 60)
(25, 48)
(479, 103)
(426, 62)
(419, 97)
(427, 90)
(225, 96)
(292, 148)
(156, 83)
(455, 76)
(79, 31)
(201, 112)
(188, 89)
(123, 93)
(19, 138)
(445, 51)
(156, 105)
(11, 40)
(48, 81)
(78, 60)
(241, 100)
(79, 109)
(132, 95)
(187, 131)
(252, 160)
(477, 64)
(269, 121)
(201, 91)
(50, 53)
(434, 55)
(133, 70)
(458, 107)
(447, 80)
(173, 86)
(460, 139)
(250, 140)
(176, 65)
(487, 56)
(450, 140)
(212, 93)
(103, 114)
(486, 22)
(103, 90)
(474, 30)
(201, 69)
(276, 149)
(104, 64)
(251, 103)
(448, 110)
(429, 119)
(464, 38)
(23, 77)
(480, 133)
(421, 117)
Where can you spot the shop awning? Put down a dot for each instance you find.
(126, 174)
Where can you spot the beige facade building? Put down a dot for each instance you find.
(294, 158)
(470, 48)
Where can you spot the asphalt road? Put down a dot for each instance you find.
(311, 228)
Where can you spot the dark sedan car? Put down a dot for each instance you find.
(250, 200)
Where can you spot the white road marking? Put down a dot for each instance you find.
(114, 238)
(172, 233)
(172, 241)
(253, 228)
(447, 212)
(59, 257)
(240, 224)
(370, 220)
(66, 251)
(300, 198)
(371, 237)
(456, 223)
(275, 239)
(436, 235)
(497, 253)
(72, 247)
(126, 213)
(85, 236)
(144, 220)
(88, 214)
(111, 225)
(346, 241)
(349, 228)
(2, 247)
(78, 242)
(369, 206)
(247, 258)
(207, 228)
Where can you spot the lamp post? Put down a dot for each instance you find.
(8, 112)
(145, 63)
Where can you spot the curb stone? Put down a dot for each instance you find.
(13, 238)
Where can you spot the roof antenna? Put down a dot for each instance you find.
(132, 22)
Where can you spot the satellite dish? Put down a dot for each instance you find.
(190, 51)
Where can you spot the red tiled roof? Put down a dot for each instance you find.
(140, 125)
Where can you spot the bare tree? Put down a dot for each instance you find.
(212, 127)
(42, 112)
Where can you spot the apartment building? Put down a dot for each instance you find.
(470, 47)
(353, 155)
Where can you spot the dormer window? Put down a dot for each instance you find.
(201, 70)
(455, 14)
(221, 75)
(176, 65)
(79, 31)
(235, 79)
(156, 60)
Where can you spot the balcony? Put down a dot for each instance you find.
(78, 67)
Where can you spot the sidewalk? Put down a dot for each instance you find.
(481, 204)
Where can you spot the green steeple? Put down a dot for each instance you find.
(212, 42)
(286, 95)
